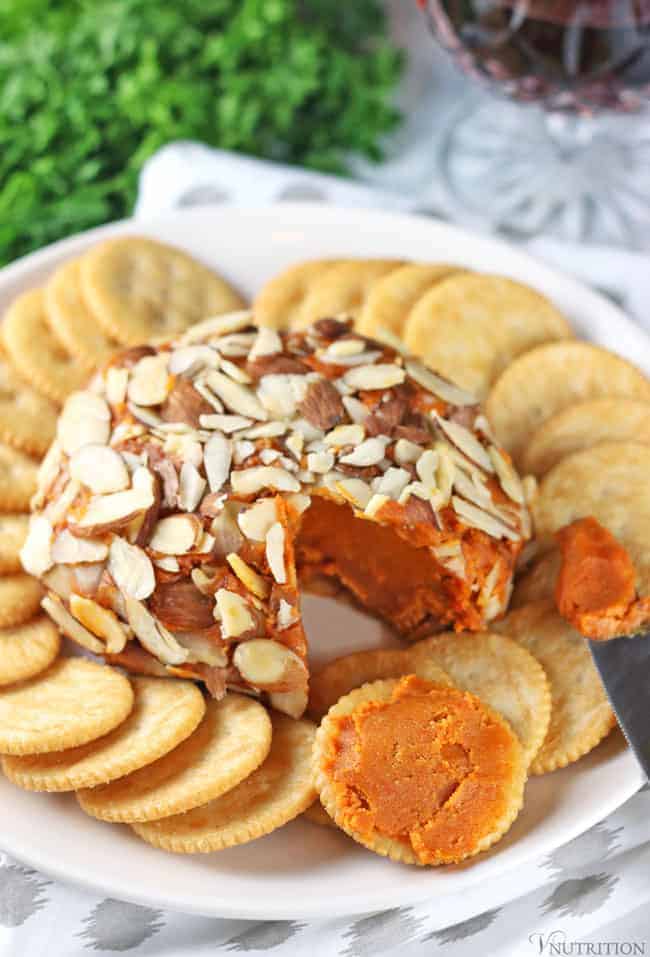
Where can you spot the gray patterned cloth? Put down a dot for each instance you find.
(591, 893)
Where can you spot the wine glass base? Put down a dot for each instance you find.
(524, 171)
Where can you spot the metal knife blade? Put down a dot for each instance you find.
(624, 666)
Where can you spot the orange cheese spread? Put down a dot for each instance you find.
(432, 768)
(595, 589)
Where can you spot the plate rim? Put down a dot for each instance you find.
(312, 214)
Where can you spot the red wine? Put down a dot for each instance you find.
(570, 55)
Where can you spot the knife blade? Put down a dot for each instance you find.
(624, 666)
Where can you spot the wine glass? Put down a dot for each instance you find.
(579, 151)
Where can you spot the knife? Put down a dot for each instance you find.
(624, 666)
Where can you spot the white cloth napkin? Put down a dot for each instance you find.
(592, 893)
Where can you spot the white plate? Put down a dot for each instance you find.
(303, 871)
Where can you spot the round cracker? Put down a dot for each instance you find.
(585, 424)
(342, 675)
(342, 290)
(470, 326)
(279, 790)
(390, 847)
(73, 702)
(141, 289)
(232, 740)
(26, 650)
(20, 597)
(610, 482)
(13, 531)
(18, 479)
(502, 674)
(551, 378)
(581, 715)
(164, 713)
(27, 419)
(36, 353)
(538, 581)
(72, 322)
(279, 301)
(392, 297)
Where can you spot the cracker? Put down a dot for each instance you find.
(538, 580)
(585, 424)
(72, 322)
(279, 790)
(342, 290)
(279, 301)
(316, 814)
(26, 650)
(73, 702)
(164, 713)
(499, 672)
(18, 479)
(13, 531)
(27, 419)
(342, 675)
(141, 289)
(610, 482)
(232, 740)
(494, 786)
(551, 378)
(391, 299)
(20, 597)
(36, 353)
(581, 715)
(470, 326)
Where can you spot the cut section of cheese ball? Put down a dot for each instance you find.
(196, 484)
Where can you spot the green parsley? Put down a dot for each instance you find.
(89, 89)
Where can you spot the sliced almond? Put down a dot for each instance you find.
(225, 423)
(357, 411)
(320, 462)
(275, 552)
(292, 702)
(181, 606)
(226, 533)
(466, 441)
(191, 487)
(267, 343)
(167, 564)
(345, 347)
(100, 468)
(183, 408)
(355, 491)
(235, 372)
(450, 556)
(294, 444)
(253, 480)
(345, 435)
(236, 344)
(48, 472)
(68, 549)
(321, 405)
(267, 664)
(58, 508)
(107, 513)
(85, 420)
(131, 569)
(432, 382)
(150, 381)
(150, 484)
(87, 577)
(268, 430)
(445, 473)
(101, 622)
(280, 393)
(61, 580)
(478, 518)
(287, 615)
(426, 467)
(407, 452)
(256, 521)
(233, 612)
(268, 456)
(508, 478)
(144, 415)
(175, 534)
(153, 635)
(375, 505)
(189, 359)
(36, 553)
(117, 380)
(70, 626)
(217, 326)
(353, 359)
(184, 448)
(251, 580)
(217, 458)
(369, 377)
(299, 502)
(242, 450)
(208, 395)
(392, 483)
(235, 396)
(369, 452)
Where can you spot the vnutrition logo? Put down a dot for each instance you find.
(556, 944)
